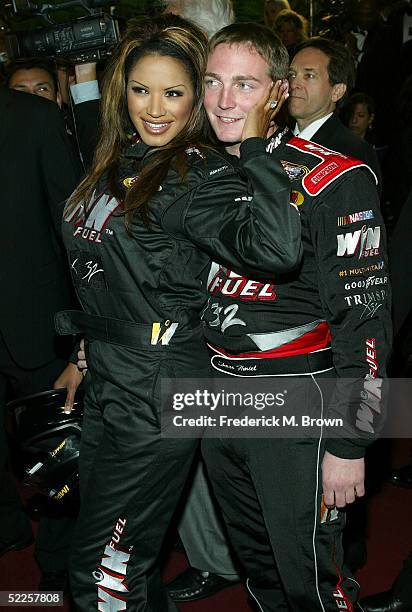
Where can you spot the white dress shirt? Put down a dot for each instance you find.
(312, 128)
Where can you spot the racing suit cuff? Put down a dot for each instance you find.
(252, 147)
(345, 449)
(83, 92)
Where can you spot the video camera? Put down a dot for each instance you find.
(84, 39)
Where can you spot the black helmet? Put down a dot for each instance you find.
(50, 441)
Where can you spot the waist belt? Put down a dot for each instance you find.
(296, 365)
(153, 336)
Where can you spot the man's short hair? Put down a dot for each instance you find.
(261, 39)
(28, 64)
(341, 67)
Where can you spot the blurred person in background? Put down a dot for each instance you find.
(210, 15)
(271, 9)
(291, 28)
(358, 114)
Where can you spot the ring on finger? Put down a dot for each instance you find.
(273, 104)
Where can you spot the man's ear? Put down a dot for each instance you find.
(59, 99)
(338, 91)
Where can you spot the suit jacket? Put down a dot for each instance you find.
(400, 260)
(334, 135)
(37, 174)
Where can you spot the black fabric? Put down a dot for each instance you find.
(403, 584)
(400, 260)
(334, 135)
(37, 174)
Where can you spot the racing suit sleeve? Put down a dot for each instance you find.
(244, 219)
(350, 244)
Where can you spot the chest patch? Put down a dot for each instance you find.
(295, 172)
(93, 227)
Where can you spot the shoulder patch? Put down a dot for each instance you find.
(331, 166)
(195, 151)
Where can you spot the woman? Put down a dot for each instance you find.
(139, 230)
(359, 114)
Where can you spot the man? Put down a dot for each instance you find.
(39, 77)
(272, 491)
(34, 76)
(37, 175)
(320, 76)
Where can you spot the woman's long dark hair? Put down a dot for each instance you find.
(167, 35)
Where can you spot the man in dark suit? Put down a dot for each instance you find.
(320, 76)
(37, 174)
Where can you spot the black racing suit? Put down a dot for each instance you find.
(142, 298)
(330, 318)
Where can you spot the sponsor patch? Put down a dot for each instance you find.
(371, 357)
(196, 151)
(364, 215)
(327, 515)
(365, 242)
(163, 332)
(93, 227)
(129, 181)
(341, 600)
(212, 172)
(110, 575)
(375, 267)
(297, 198)
(370, 396)
(295, 172)
(370, 301)
(366, 283)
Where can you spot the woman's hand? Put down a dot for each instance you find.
(261, 116)
(69, 379)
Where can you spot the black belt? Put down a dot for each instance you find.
(117, 331)
(295, 365)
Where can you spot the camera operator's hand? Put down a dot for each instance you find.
(85, 72)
